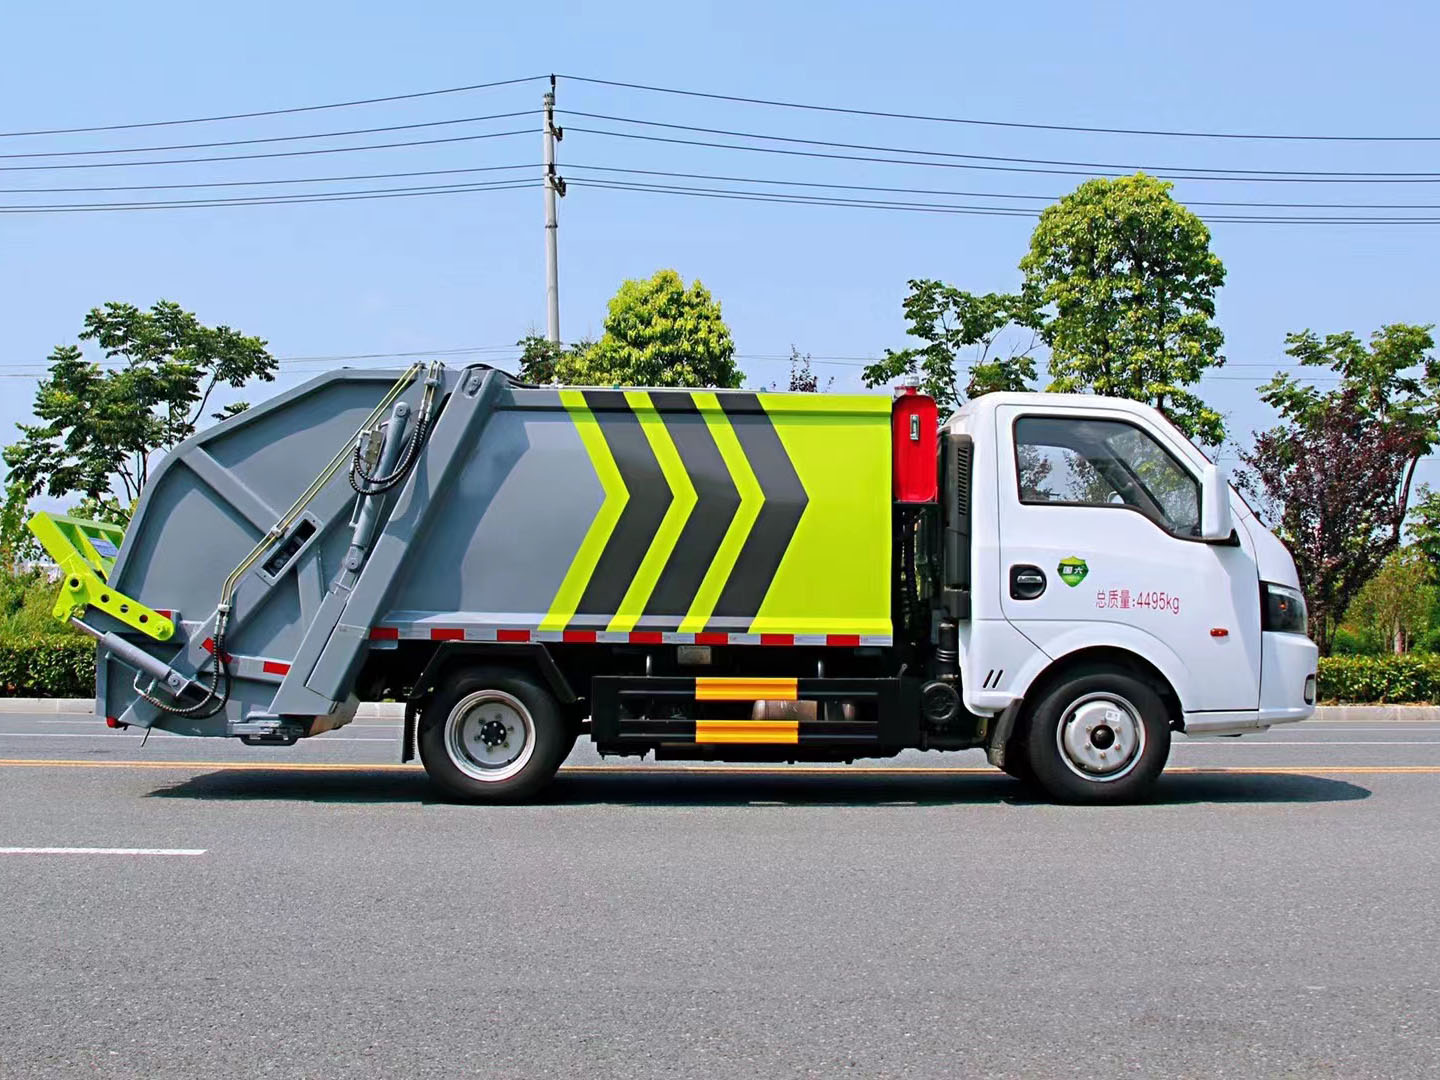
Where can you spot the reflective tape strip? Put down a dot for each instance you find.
(745, 689)
(261, 668)
(747, 731)
(459, 630)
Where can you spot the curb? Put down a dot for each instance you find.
(394, 710)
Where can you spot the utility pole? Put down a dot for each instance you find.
(554, 186)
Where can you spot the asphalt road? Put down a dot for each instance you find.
(1273, 913)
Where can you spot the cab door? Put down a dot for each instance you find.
(1099, 524)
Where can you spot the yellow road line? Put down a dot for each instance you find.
(711, 770)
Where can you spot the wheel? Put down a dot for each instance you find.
(1101, 736)
(493, 735)
(1017, 762)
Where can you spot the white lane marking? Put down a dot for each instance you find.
(99, 851)
(1411, 728)
(161, 735)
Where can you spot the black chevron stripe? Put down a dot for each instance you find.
(716, 500)
(649, 498)
(785, 502)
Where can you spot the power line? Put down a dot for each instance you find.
(276, 154)
(255, 183)
(1377, 179)
(950, 208)
(979, 194)
(1004, 123)
(273, 112)
(271, 200)
(272, 138)
(1088, 165)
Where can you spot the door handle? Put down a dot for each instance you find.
(1026, 582)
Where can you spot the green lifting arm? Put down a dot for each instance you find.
(85, 552)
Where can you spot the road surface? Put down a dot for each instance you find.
(317, 912)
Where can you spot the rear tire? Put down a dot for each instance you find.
(493, 735)
(1100, 736)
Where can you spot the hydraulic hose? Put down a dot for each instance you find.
(366, 484)
(215, 700)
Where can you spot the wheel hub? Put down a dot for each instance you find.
(490, 735)
(493, 733)
(1101, 737)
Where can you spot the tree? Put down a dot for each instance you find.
(1424, 521)
(100, 427)
(658, 332)
(539, 358)
(803, 379)
(1327, 481)
(1394, 381)
(960, 330)
(1126, 281)
(1395, 604)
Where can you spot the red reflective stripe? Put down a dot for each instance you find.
(842, 639)
(579, 637)
(777, 639)
(384, 633)
(712, 639)
(209, 646)
(447, 633)
(512, 635)
(274, 667)
(164, 612)
(646, 637)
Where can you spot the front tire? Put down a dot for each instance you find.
(1100, 736)
(493, 735)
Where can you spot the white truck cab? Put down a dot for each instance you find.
(1100, 535)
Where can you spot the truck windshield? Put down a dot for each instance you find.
(1091, 462)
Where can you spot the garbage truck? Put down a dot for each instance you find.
(1065, 581)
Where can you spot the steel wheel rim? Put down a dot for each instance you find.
(490, 736)
(1101, 737)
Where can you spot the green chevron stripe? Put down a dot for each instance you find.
(582, 566)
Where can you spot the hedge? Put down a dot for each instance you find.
(49, 665)
(63, 666)
(1393, 680)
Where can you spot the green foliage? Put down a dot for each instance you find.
(1424, 526)
(961, 330)
(47, 666)
(1395, 604)
(1356, 641)
(1393, 680)
(26, 601)
(658, 332)
(1394, 380)
(99, 427)
(1126, 280)
(538, 359)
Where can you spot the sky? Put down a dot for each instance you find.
(465, 270)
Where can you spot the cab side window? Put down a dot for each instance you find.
(1090, 462)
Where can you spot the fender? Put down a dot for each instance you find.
(532, 653)
(1132, 639)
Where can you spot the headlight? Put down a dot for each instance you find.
(1281, 609)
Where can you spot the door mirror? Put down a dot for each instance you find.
(1215, 523)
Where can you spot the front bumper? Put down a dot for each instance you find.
(1288, 665)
